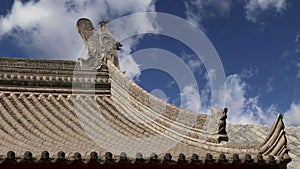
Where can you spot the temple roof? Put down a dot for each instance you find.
(79, 108)
(39, 115)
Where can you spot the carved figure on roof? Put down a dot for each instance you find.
(218, 120)
(100, 45)
(222, 122)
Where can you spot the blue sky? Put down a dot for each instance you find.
(258, 42)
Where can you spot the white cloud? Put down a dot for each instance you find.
(243, 109)
(236, 100)
(170, 84)
(292, 116)
(190, 98)
(298, 73)
(288, 53)
(192, 61)
(255, 7)
(249, 71)
(260, 114)
(196, 10)
(269, 84)
(127, 63)
(47, 28)
(297, 37)
(17, 18)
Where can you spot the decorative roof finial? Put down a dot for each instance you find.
(103, 25)
(220, 133)
(101, 45)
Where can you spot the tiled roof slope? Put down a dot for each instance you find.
(45, 107)
(255, 134)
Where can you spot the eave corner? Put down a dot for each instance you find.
(276, 142)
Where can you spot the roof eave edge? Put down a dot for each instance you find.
(275, 143)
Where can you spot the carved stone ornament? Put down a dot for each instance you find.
(100, 45)
(219, 134)
(222, 122)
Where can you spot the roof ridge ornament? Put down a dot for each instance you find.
(219, 131)
(100, 45)
(276, 142)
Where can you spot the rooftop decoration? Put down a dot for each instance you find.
(100, 45)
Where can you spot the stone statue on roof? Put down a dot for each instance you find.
(100, 45)
(222, 122)
(217, 125)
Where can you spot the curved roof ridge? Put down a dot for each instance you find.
(276, 143)
(114, 71)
